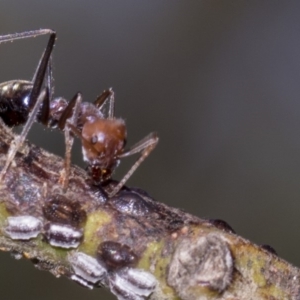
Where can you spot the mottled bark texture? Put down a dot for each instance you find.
(102, 240)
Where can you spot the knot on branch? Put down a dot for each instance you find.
(206, 265)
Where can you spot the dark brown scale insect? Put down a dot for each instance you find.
(269, 249)
(222, 225)
(102, 135)
(61, 210)
(115, 255)
(131, 203)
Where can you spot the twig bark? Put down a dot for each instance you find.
(191, 258)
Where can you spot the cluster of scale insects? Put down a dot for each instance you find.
(103, 139)
(62, 227)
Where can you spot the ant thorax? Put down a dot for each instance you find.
(88, 112)
(56, 108)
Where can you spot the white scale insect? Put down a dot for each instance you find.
(132, 284)
(28, 227)
(63, 236)
(87, 269)
(126, 283)
(23, 227)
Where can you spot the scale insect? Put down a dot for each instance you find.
(22, 227)
(103, 137)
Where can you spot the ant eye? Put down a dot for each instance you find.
(94, 139)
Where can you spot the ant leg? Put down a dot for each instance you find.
(111, 110)
(35, 99)
(69, 115)
(71, 110)
(43, 67)
(101, 100)
(50, 79)
(75, 130)
(145, 146)
(44, 113)
(24, 35)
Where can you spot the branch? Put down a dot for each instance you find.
(131, 244)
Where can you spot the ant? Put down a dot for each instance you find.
(103, 137)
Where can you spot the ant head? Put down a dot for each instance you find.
(103, 141)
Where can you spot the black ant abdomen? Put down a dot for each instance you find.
(14, 102)
(103, 137)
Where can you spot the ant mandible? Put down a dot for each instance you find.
(103, 137)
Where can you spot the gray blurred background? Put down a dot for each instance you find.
(219, 82)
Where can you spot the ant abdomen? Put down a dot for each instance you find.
(15, 105)
(14, 102)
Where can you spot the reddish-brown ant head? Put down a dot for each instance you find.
(102, 142)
